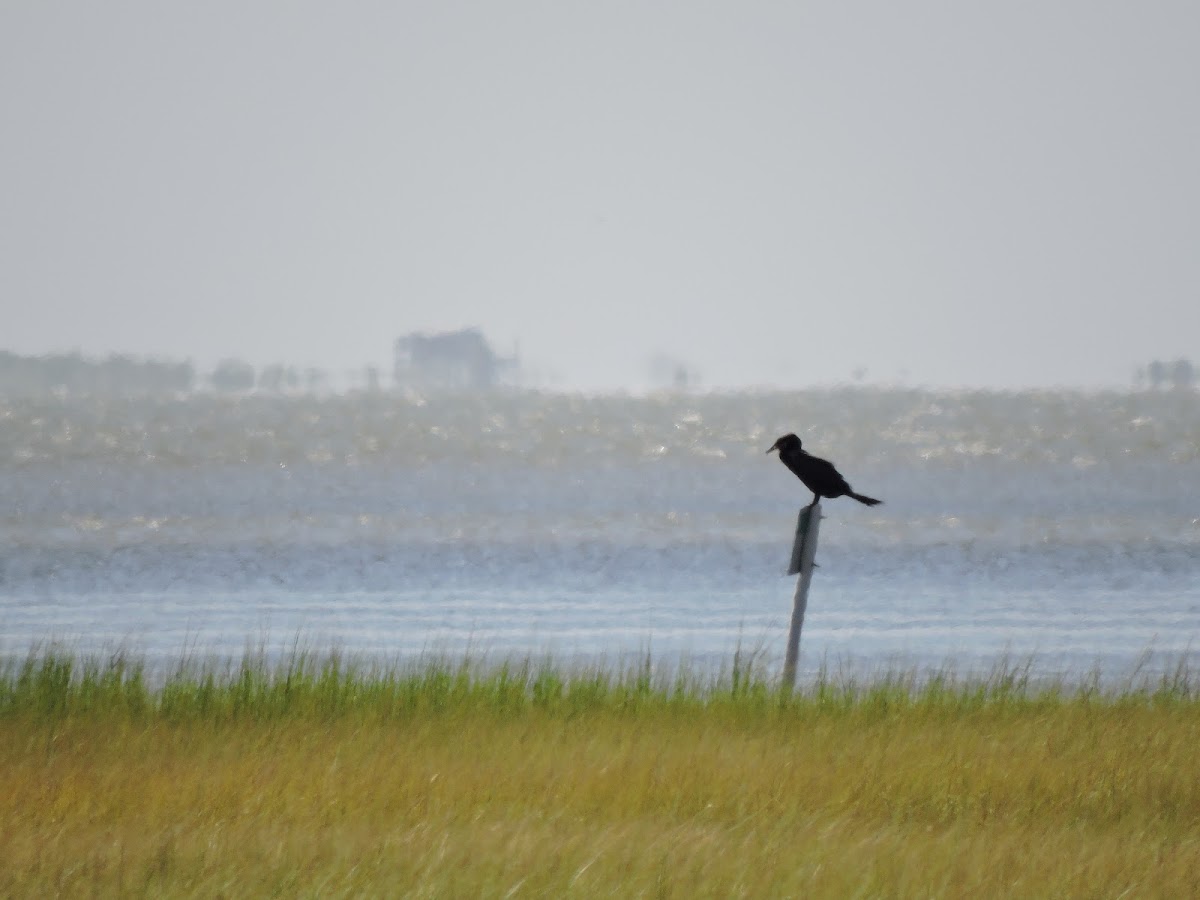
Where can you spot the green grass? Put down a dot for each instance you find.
(304, 684)
(322, 775)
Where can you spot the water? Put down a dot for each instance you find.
(1059, 525)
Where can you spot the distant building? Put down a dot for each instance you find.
(666, 371)
(453, 359)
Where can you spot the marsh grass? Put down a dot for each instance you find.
(319, 774)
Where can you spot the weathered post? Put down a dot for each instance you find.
(804, 551)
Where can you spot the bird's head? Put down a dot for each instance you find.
(787, 442)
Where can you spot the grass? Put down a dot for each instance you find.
(322, 776)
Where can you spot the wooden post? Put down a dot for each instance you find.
(804, 551)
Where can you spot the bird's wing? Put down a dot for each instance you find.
(818, 474)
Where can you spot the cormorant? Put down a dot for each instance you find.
(818, 475)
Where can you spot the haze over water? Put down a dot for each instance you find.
(1062, 525)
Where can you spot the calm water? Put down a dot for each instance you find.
(1062, 525)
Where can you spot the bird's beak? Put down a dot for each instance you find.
(774, 446)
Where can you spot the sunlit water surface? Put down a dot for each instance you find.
(1058, 526)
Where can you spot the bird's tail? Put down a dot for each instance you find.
(869, 501)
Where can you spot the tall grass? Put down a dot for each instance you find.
(306, 684)
(318, 774)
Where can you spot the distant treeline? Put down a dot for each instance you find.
(120, 374)
(1179, 374)
(75, 373)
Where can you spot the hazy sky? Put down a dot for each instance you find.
(779, 193)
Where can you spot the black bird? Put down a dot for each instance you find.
(818, 475)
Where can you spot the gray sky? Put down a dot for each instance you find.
(946, 193)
